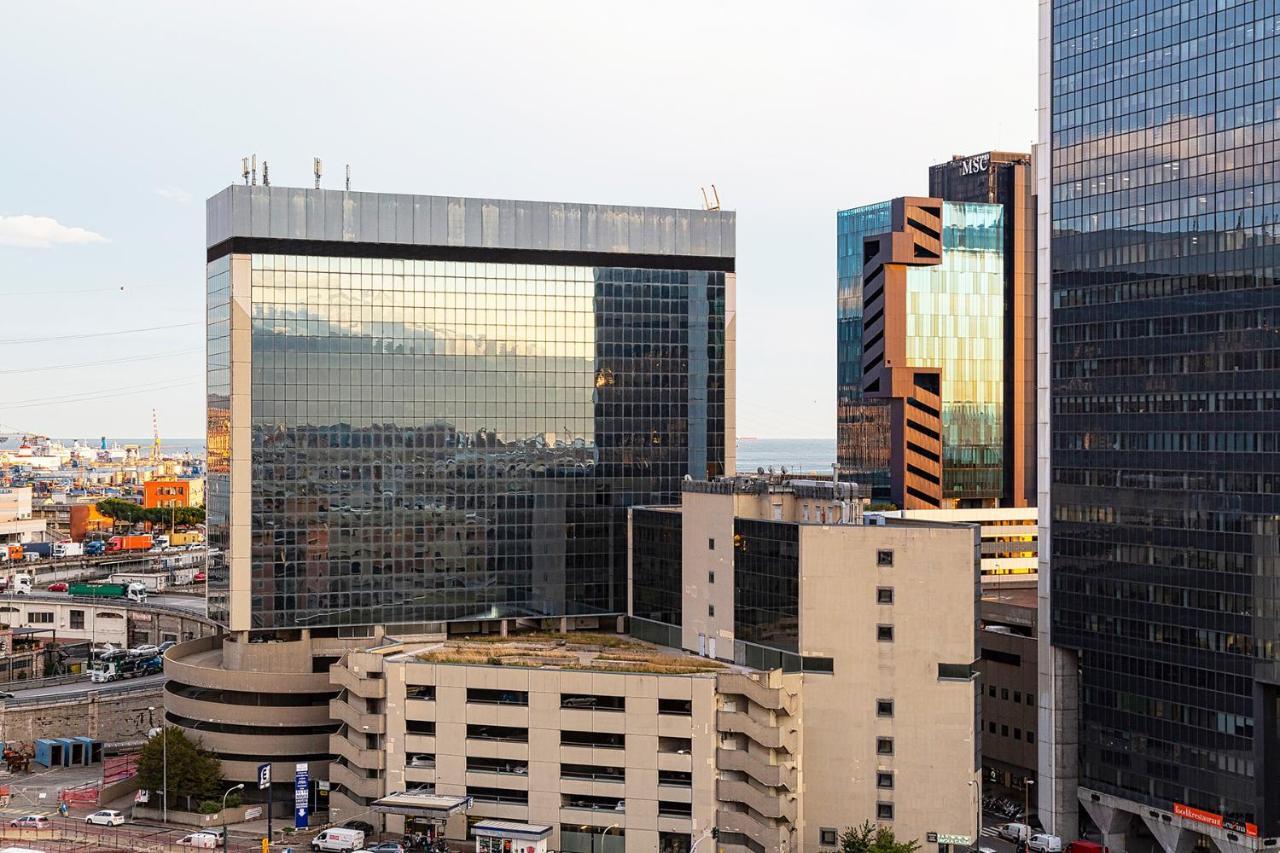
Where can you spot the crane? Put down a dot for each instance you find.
(155, 433)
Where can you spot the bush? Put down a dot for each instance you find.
(208, 807)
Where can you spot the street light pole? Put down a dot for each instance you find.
(1026, 799)
(610, 828)
(239, 787)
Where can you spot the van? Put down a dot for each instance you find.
(199, 841)
(338, 840)
(1014, 832)
(1044, 843)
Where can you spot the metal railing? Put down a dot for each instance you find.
(77, 696)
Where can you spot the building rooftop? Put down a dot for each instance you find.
(575, 650)
(294, 213)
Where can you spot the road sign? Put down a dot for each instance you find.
(264, 776)
(301, 795)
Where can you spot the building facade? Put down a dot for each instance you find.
(1008, 179)
(429, 415)
(869, 619)
(1162, 381)
(1007, 686)
(1010, 547)
(166, 493)
(920, 405)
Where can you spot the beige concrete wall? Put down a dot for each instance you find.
(934, 617)
(707, 517)
(543, 754)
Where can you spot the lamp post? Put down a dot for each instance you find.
(1026, 799)
(239, 787)
(610, 828)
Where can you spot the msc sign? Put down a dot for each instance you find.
(974, 165)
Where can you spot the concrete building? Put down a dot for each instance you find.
(71, 520)
(428, 416)
(1007, 685)
(1010, 551)
(17, 522)
(170, 492)
(872, 626)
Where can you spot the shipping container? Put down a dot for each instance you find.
(67, 549)
(152, 581)
(184, 537)
(134, 542)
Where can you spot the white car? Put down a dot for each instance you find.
(200, 841)
(1014, 831)
(106, 817)
(1044, 843)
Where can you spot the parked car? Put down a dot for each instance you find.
(58, 586)
(1044, 843)
(198, 577)
(363, 826)
(31, 821)
(166, 645)
(422, 761)
(4, 694)
(385, 847)
(1014, 832)
(200, 841)
(106, 817)
(147, 651)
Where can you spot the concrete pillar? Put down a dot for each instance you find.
(1226, 845)
(94, 695)
(1113, 822)
(503, 630)
(564, 624)
(1173, 839)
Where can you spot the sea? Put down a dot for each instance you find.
(168, 446)
(795, 454)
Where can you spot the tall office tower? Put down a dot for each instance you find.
(430, 414)
(1006, 178)
(1163, 378)
(920, 328)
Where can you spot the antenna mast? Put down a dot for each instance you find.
(318, 168)
(266, 182)
(155, 433)
(348, 177)
(712, 203)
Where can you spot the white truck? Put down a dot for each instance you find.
(16, 584)
(150, 581)
(68, 549)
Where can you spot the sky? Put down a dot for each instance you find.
(125, 117)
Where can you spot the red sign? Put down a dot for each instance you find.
(1202, 816)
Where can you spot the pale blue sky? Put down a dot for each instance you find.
(120, 119)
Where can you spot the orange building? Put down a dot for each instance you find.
(166, 493)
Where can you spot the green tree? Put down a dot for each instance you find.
(130, 513)
(194, 772)
(869, 838)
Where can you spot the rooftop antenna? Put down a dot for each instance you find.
(348, 177)
(318, 168)
(244, 167)
(255, 169)
(266, 182)
(712, 203)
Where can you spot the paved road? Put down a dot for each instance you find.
(990, 838)
(84, 685)
(194, 603)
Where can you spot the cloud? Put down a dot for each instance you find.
(42, 232)
(177, 194)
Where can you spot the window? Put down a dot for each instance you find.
(1017, 695)
(1030, 699)
(593, 702)
(711, 577)
(420, 691)
(77, 619)
(1031, 736)
(884, 633)
(827, 835)
(420, 727)
(42, 616)
(683, 707)
(711, 544)
(955, 671)
(884, 779)
(711, 610)
(485, 696)
(600, 740)
(884, 557)
(884, 707)
(1004, 692)
(884, 811)
(884, 746)
(884, 595)
(507, 733)
(1004, 731)
(991, 690)
(1017, 734)
(991, 727)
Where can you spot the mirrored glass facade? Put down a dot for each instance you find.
(656, 565)
(955, 322)
(766, 583)
(1165, 415)
(444, 440)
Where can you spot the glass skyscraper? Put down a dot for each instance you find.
(427, 410)
(1162, 118)
(954, 316)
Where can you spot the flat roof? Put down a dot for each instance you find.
(511, 829)
(1014, 596)
(338, 216)
(575, 650)
(421, 805)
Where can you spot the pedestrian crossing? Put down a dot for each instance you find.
(989, 832)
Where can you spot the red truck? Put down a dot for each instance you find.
(1087, 847)
(140, 542)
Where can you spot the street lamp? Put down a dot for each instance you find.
(1026, 799)
(611, 828)
(239, 787)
